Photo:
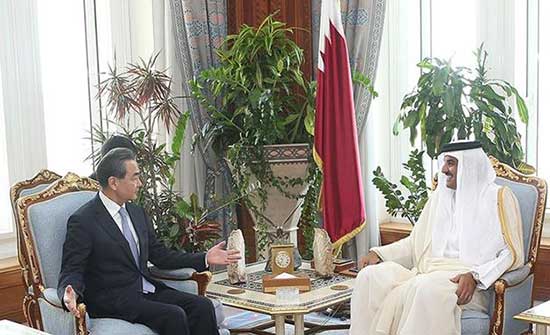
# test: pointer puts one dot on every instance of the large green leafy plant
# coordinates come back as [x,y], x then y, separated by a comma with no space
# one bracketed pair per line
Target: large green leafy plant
[255,97]
[144,92]
[407,206]
[458,102]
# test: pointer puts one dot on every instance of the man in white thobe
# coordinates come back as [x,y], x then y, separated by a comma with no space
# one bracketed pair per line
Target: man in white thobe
[467,236]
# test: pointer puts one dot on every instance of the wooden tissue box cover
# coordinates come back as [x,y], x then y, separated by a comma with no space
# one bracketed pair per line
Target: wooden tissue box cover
[271,284]
[340,265]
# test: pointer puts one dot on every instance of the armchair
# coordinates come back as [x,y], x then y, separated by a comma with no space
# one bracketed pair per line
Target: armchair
[512,293]
[21,189]
[42,220]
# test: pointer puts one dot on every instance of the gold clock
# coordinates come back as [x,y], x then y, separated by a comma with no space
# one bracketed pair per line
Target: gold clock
[282,258]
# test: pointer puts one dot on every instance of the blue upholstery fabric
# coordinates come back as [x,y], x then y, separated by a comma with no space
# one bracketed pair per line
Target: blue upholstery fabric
[117,327]
[48,223]
[50,294]
[55,319]
[177,274]
[527,199]
[516,300]
[475,323]
[517,276]
[33,190]
[182,285]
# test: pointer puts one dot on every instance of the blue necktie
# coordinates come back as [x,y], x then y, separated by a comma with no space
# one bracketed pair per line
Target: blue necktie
[147,286]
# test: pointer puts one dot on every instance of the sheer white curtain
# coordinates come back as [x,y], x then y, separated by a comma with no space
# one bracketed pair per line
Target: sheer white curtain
[396,75]
[23,139]
[130,30]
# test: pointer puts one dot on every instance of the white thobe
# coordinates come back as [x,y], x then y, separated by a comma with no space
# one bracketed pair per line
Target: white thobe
[410,293]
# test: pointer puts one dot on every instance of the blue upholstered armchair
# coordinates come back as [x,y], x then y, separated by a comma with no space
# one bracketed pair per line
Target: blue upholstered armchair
[42,213]
[512,293]
[21,189]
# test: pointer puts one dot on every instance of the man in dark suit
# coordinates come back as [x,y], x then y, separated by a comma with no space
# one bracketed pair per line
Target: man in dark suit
[108,244]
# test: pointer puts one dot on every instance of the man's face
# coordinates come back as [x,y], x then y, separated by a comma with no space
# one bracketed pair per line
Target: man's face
[450,169]
[127,188]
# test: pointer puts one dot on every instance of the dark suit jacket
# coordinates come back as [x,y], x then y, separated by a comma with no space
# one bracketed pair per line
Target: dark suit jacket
[99,265]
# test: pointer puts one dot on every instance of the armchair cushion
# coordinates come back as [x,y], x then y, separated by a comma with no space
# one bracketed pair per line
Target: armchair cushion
[117,327]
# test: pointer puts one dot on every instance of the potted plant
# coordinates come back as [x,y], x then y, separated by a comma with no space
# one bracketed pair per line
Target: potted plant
[458,102]
[144,92]
[257,101]
[453,102]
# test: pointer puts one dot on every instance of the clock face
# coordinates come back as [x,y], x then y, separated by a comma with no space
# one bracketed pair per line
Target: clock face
[282,259]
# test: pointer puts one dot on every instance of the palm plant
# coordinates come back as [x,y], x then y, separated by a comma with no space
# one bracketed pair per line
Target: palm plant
[145,93]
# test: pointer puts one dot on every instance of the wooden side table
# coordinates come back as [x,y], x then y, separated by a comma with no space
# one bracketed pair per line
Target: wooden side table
[539,316]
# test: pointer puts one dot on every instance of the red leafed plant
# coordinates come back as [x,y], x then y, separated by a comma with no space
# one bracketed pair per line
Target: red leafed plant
[194,220]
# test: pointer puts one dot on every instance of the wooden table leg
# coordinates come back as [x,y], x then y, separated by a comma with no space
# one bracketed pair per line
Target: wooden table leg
[299,324]
[541,330]
[279,324]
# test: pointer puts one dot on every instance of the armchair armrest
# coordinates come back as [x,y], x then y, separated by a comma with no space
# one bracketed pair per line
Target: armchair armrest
[50,296]
[202,278]
[177,274]
[515,277]
[512,294]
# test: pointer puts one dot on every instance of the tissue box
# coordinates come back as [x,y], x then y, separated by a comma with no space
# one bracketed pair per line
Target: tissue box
[270,283]
[340,265]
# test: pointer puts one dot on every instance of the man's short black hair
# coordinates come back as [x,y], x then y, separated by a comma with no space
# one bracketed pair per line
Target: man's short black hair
[117,141]
[113,165]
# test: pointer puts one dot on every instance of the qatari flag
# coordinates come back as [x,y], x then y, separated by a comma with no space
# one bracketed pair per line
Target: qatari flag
[336,149]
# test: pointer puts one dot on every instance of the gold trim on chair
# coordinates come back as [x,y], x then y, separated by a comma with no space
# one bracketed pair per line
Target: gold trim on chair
[202,279]
[30,305]
[69,183]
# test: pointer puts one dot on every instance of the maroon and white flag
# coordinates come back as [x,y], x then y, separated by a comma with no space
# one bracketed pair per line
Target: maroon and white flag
[336,148]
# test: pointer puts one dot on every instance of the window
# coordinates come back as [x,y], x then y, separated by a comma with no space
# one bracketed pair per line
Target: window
[542,78]
[454,30]
[65,85]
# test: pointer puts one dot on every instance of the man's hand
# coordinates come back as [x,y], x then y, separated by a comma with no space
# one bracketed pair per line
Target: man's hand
[466,287]
[217,255]
[370,259]
[69,298]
